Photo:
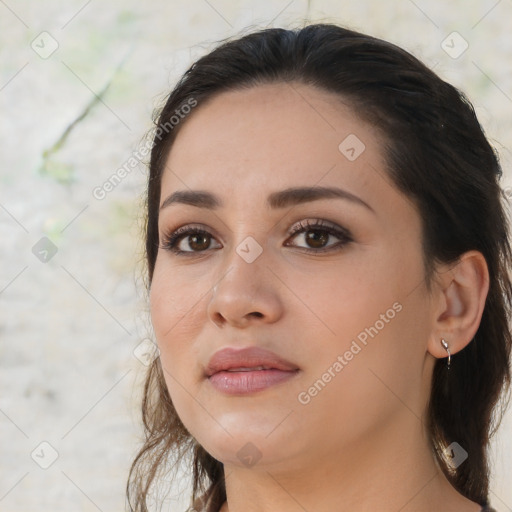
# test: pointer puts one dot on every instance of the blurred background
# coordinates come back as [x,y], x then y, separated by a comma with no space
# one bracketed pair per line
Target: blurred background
[79,81]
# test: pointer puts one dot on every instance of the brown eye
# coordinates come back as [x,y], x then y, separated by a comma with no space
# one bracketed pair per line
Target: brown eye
[188,240]
[198,242]
[317,234]
[316,238]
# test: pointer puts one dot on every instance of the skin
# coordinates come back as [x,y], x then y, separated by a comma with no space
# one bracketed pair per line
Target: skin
[360,444]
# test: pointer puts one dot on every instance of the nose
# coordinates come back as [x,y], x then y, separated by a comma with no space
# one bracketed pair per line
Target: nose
[245,294]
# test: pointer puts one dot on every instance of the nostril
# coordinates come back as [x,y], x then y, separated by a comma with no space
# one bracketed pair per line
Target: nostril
[256,313]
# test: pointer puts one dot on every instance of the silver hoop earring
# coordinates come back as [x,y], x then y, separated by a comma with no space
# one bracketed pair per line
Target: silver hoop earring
[445,345]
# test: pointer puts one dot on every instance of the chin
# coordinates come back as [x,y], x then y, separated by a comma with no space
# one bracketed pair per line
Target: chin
[249,444]
[246,451]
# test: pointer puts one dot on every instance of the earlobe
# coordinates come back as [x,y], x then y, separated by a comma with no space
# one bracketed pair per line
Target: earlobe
[462,293]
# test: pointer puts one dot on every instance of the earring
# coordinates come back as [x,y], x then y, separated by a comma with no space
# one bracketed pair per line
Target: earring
[445,345]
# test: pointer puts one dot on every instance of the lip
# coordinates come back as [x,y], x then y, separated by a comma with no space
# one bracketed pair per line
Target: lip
[247,370]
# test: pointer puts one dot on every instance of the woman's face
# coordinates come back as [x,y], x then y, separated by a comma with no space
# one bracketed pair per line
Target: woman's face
[343,303]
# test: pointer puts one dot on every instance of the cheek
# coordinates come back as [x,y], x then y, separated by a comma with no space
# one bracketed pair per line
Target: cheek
[365,379]
[376,318]
[341,302]
[175,297]
[175,317]
[177,314]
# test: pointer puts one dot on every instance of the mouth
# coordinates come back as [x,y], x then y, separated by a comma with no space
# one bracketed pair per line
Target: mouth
[255,368]
[248,370]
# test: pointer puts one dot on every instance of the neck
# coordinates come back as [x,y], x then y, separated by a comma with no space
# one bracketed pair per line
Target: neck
[391,469]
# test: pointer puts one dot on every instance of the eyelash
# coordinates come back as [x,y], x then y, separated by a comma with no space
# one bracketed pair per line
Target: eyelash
[171,240]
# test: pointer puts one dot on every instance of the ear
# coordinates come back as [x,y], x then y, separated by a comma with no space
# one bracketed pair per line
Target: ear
[460,299]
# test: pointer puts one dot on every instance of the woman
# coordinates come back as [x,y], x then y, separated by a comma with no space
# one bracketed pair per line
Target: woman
[328,258]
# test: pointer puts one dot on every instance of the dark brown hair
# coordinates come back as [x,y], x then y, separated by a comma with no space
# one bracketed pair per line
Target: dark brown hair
[436,154]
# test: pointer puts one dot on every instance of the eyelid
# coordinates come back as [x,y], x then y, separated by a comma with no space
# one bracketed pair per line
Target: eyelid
[303,225]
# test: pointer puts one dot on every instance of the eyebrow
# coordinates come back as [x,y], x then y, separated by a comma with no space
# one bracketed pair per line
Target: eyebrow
[276,200]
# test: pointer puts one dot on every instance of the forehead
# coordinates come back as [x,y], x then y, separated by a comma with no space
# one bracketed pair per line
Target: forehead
[270,137]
